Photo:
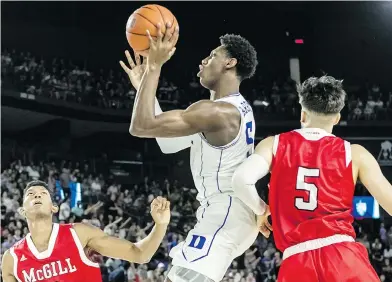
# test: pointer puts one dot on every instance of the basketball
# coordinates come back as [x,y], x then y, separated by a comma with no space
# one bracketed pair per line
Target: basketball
[147,18]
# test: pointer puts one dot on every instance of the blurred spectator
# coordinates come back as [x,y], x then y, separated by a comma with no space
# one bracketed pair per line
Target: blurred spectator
[63,80]
[120,209]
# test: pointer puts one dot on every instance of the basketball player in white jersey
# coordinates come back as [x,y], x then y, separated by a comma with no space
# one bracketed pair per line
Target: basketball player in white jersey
[220,133]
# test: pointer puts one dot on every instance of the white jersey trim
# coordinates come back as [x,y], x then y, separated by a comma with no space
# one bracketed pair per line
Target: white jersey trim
[347,148]
[316,244]
[15,268]
[309,133]
[82,254]
[276,143]
[52,240]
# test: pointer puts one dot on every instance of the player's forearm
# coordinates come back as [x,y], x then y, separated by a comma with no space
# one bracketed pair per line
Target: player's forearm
[244,182]
[143,115]
[149,245]
[171,145]
[247,193]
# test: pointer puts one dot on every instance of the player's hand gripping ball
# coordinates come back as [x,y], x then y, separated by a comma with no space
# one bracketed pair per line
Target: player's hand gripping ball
[148,17]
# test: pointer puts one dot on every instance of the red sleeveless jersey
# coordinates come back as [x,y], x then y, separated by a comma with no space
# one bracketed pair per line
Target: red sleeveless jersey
[64,260]
[311,187]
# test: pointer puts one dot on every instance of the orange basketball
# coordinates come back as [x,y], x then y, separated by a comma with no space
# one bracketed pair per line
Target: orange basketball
[147,18]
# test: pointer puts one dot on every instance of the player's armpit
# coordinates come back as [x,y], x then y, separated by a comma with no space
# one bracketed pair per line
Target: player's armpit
[110,246]
[7,266]
[203,116]
[370,174]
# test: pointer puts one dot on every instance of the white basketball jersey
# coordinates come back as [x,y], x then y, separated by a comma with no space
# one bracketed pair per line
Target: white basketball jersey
[213,167]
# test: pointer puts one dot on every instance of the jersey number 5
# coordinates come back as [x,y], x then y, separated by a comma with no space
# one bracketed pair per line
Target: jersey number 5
[249,139]
[300,203]
[248,131]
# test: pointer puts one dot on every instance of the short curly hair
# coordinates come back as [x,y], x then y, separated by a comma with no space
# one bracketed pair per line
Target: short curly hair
[238,47]
[323,95]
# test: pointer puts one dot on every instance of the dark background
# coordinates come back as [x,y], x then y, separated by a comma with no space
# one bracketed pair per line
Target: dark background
[351,40]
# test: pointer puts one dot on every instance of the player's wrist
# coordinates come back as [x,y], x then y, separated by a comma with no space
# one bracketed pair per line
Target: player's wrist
[161,225]
[155,67]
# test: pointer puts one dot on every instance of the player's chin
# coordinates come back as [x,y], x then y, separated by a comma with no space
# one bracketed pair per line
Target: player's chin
[205,83]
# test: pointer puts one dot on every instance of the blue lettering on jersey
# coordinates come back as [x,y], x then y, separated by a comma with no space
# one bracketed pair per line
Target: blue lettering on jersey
[245,108]
[200,242]
[248,131]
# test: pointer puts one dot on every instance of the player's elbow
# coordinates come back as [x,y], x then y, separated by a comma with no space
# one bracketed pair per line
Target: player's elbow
[137,131]
[142,260]
[238,180]
[134,130]
[137,255]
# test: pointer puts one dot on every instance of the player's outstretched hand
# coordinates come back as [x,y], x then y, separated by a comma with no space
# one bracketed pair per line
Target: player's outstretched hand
[134,71]
[160,211]
[265,227]
[162,48]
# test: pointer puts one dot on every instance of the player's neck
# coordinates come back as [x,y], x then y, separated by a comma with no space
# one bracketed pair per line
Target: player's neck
[326,128]
[225,87]
[40,231]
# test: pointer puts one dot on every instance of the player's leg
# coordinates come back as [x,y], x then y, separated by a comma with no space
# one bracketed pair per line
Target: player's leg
[216,240]
[347,261]
[181,274]
[299,267]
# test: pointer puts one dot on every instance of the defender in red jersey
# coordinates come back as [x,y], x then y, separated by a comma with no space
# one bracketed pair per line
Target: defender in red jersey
[313,176]
[56,252]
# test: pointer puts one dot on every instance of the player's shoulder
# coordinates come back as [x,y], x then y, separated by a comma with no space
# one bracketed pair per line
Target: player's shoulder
[7,260]
[81,227]
[210,108]
[267,142]
[358,152]
[85,232]
[357,148]
[19,245]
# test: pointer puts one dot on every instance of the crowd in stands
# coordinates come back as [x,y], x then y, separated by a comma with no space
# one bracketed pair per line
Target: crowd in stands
[120,210]
[62,80]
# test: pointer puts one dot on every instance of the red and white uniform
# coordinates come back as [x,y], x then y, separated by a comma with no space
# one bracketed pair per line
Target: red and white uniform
[64,260]
[310,197]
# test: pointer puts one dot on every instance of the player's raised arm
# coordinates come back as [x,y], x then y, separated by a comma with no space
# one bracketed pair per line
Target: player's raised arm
[7,267]
[370,174]
[204,116]
[135,71]
[140,252]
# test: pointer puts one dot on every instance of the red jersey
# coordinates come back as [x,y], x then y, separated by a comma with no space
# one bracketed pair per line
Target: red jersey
[64,260]
[311,187]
